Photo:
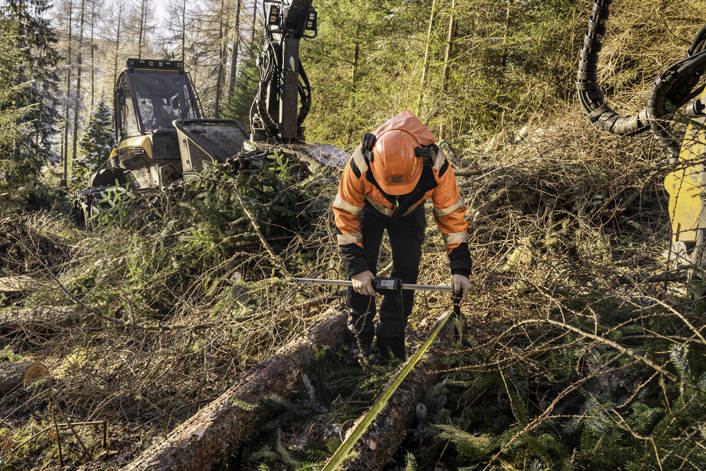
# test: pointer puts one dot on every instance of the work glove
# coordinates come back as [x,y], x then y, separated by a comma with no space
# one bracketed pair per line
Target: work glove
[363,283]
[462,285]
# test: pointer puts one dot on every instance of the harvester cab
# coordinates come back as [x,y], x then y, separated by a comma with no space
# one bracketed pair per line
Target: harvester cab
[155,107]
[163,138]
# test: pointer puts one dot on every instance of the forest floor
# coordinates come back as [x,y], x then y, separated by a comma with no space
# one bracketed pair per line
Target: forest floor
[582,351]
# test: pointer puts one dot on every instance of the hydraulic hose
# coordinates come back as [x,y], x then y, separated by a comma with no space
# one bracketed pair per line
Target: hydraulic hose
[270,64]
[589,91]
[671,90]
[674,86]
[699,43]
[304,95]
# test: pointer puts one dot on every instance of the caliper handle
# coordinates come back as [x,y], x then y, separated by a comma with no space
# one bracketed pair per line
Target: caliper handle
[387,285]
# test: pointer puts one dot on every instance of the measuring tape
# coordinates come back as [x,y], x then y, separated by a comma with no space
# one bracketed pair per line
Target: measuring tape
[340,455]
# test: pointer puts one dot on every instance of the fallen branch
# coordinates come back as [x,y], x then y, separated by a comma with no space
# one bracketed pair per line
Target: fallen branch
[639,278]
[51,317]
[604,341]
[17,285]
[545,415]
[256,226]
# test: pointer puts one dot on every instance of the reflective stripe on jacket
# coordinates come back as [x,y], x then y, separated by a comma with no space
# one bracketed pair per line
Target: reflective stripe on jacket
[358,191]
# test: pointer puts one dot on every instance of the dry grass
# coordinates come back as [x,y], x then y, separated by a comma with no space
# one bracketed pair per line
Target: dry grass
[564,225]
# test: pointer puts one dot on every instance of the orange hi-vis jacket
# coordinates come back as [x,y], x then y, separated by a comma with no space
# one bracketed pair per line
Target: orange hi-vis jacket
[358,191]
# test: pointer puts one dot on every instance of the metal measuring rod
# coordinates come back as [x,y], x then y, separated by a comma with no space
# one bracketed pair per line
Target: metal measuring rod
[380,285]
[390,286]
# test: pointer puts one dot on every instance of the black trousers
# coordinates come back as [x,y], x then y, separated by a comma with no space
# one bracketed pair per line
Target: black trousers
[406,237]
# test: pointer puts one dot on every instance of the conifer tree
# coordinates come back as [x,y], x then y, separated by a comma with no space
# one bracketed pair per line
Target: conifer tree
[96,143]
[35,84]
[247,79]
[10,114]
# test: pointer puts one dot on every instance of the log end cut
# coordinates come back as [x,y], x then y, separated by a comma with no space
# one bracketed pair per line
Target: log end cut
[16,375]
[34,372]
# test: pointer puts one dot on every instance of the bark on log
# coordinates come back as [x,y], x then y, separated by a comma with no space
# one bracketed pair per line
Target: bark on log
[385,435]
[208,438]
[14,285]
[16,375]
[35,318]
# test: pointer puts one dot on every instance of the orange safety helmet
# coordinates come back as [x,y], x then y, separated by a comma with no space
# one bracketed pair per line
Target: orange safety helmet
[395,165]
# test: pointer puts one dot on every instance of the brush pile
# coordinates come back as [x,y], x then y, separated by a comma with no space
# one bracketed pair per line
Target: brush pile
[581,346]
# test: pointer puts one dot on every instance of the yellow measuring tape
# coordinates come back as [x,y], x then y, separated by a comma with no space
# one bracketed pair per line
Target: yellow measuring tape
[340,455]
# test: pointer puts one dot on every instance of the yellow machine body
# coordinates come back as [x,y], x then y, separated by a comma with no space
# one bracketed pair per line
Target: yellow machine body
[686,187]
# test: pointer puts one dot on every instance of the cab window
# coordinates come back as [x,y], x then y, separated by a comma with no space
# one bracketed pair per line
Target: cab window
[128,118]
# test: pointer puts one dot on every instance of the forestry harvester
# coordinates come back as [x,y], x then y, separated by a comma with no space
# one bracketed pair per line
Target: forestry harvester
[674,95]
[163,138]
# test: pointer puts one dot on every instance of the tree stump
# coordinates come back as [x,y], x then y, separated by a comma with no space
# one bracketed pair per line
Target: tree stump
[14,375]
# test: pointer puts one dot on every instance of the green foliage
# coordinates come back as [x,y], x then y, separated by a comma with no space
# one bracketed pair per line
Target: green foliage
[350,67]
[10,111]
[96,144]
[246,85]
[39,197]
[506,63]
[190,244]
[30,89]
[621,415]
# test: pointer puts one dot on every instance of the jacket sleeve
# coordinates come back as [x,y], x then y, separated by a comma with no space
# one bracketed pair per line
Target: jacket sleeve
[347,208]
[449,214]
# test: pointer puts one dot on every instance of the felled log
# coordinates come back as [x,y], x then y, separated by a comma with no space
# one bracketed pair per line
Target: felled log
[15,285]
[16,375]
[36,318]
[384,436]
[208,438]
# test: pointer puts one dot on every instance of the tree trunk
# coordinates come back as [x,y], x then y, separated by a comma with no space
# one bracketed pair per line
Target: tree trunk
[234,56]
[77,98]
[14,285]
[220,69]
[93,60]
[15,375]
[385,435]
[252,30]
[143,26]
[121,8]
[432,17]
[354,73]
[208,438]
[447,58]
[31,320]
[503,55]
[449,46]
[183,32]
[67,106]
